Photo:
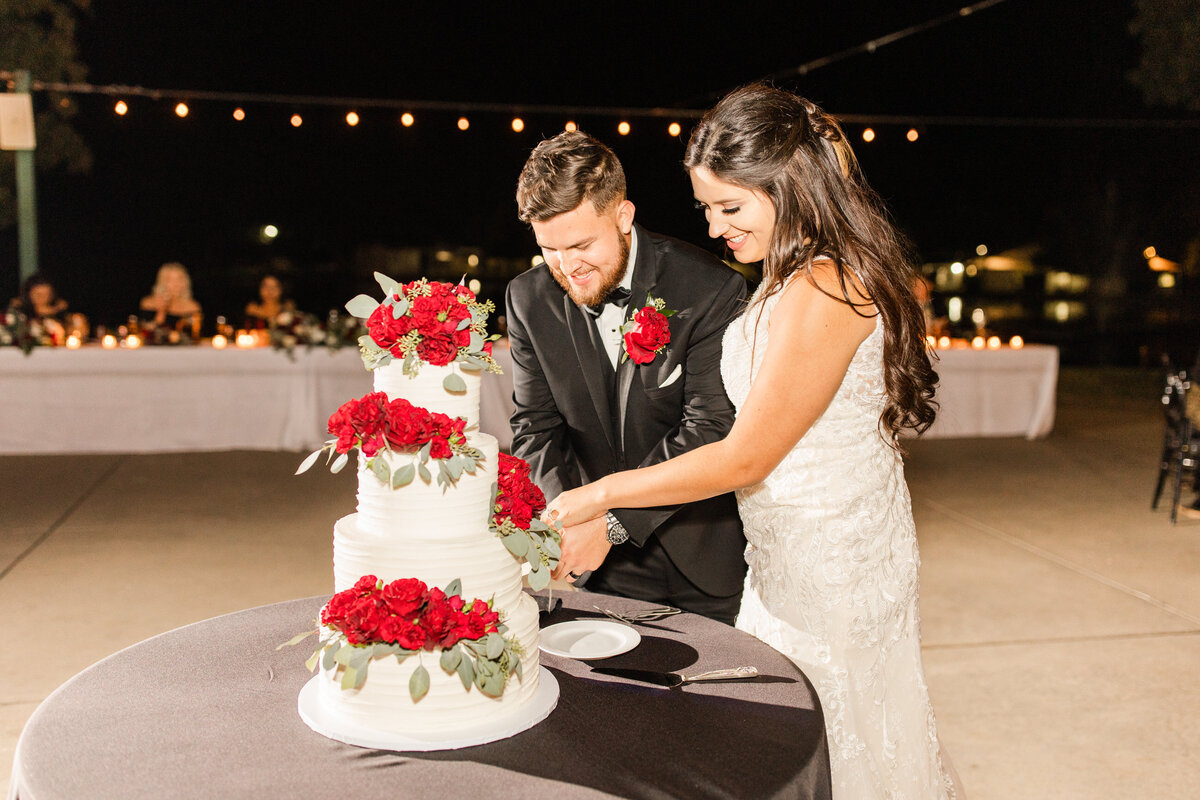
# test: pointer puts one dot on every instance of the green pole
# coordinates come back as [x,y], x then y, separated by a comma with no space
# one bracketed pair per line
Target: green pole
[26,198]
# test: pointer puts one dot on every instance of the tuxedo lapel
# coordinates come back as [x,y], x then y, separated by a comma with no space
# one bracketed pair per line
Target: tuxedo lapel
[645,281]
[597,371]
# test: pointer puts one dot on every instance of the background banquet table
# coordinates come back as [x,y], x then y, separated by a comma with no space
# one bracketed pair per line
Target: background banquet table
[180,399]
[1005,392]
[209,710]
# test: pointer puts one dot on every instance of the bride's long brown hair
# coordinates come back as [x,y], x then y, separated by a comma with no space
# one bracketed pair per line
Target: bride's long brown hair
[768,140]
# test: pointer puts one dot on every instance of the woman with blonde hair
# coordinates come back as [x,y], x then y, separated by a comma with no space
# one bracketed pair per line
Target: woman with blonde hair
[170,303]
[826,367]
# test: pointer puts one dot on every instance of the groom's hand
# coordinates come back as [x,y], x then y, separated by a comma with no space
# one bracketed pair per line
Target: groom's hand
[584,548]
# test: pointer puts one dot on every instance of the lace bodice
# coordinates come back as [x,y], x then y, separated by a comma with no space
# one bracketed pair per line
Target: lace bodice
[832,551]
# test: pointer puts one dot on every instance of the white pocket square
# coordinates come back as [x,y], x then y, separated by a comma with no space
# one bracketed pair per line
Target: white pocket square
[674,376]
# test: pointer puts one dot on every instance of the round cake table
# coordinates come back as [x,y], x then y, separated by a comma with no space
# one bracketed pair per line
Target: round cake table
[209,711]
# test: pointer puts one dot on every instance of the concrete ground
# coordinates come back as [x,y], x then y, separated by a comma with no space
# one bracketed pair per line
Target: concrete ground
[1061,616]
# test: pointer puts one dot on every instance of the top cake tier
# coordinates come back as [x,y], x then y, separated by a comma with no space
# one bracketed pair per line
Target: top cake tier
[427,389]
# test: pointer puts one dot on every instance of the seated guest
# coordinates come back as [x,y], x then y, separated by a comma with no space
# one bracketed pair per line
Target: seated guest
[39,301]
[271,303]
[170,304]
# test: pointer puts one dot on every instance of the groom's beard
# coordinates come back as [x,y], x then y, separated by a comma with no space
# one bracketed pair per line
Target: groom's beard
[607,282]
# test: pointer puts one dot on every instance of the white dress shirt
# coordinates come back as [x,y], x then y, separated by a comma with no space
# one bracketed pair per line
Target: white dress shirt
[612,318]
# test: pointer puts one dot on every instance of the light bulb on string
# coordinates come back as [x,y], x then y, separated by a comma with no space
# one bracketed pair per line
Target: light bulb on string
[463,123]
[352,118]
[912,135]
[674,129]
[623,128]
[518,124]
[570,126]
[121,108]
[407,119]
[239,114]
[297,120]
[181,110]
[868,134]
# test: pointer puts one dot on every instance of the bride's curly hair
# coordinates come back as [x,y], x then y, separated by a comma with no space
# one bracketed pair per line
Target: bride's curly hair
[784,146]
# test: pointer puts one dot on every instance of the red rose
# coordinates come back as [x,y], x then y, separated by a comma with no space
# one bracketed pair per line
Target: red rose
[463,291]
[405,597]
[369,418]
[385,329]
[438,349]
[340,426]
[428,314]
[365,585]
[408,426]
[643,342]
[408,635]
[516,509]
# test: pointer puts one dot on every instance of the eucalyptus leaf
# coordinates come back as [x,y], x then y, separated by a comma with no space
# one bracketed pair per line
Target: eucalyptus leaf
[388,285]
[362,306]
[473,363]
[423,453]
[349,678]
[494,685]
[476,342]
[308,462]
[360,675]
[517,668]
[424,472]
[328,661]
[418,684]
[397,311]
[466,672]
[450,658]
[454,383]
[297,639]
[538,580]
[517,544]
[339,463]
[453,587]
[551,547]
[311,663]
[401,307]
[454,467]
[343,655]
[464,323]
[381,469]
[403,476]
[495,645]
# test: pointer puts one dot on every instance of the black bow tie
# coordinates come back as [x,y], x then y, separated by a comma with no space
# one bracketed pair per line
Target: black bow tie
[618,297]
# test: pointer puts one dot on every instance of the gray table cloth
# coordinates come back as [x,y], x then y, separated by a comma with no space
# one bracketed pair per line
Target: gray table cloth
[209,711]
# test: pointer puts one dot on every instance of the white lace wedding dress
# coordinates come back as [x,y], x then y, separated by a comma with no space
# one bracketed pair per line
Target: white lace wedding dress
[833,577]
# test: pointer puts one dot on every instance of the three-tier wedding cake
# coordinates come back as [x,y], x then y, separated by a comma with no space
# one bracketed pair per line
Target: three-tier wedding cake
[429,641]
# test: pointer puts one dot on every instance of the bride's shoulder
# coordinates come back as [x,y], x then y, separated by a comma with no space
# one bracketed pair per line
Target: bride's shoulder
[823,296]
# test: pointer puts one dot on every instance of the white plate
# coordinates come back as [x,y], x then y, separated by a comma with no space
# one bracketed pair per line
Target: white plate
[589,638]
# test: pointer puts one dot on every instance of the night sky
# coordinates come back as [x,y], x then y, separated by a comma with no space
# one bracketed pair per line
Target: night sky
[197,190]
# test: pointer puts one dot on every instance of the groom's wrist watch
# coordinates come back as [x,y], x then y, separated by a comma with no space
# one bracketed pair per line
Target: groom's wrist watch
[616,531]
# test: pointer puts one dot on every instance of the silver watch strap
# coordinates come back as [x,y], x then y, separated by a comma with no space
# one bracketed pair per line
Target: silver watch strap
[616,531]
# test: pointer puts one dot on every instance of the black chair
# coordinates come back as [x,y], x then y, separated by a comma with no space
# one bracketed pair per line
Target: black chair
[1181,441]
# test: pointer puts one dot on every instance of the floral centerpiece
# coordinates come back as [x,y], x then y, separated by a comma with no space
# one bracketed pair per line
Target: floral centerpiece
[403,618]
[16,329]
[291,329]
[373,423]
[423,322]
[516,507]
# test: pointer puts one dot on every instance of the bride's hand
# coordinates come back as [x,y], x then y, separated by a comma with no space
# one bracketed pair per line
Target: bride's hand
[575,506]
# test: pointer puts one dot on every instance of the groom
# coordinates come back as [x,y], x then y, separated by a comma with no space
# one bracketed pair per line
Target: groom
[584,409]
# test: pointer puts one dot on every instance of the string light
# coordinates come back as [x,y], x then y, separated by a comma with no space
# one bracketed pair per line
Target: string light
[463,123]
[407,120]
[868,134]
[181,110]
[239,114]
[674,129]
[623,128]
[518,124]
[121,108]
[912,134]
[297,120]
[570,126]
[352,119]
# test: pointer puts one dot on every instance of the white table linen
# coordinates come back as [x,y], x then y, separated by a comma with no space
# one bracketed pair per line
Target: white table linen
[1003,392]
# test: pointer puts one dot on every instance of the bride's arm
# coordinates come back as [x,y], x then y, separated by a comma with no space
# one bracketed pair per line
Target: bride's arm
[812,340]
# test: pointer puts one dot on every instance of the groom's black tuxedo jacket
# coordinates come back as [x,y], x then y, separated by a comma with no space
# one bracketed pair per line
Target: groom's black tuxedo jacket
[577,420]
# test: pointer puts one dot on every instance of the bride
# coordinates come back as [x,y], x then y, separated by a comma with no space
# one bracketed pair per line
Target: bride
[826,367]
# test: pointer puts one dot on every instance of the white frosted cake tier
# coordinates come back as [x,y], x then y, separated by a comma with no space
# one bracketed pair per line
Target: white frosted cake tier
[426,390]
[383,703]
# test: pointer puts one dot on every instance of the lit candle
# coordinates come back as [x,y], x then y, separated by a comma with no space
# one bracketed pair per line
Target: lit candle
[978,343]
[993,343]
[931,341]
[73,342]
[1016,343]
[133,342]
[944,342]
[108,342]
[245,339]
[220,342]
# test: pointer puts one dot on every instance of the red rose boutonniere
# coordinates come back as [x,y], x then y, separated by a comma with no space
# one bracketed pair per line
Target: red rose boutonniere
[647,334]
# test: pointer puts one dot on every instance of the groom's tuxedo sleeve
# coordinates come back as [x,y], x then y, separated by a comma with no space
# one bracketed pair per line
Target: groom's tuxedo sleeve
[539,431]
[707,413]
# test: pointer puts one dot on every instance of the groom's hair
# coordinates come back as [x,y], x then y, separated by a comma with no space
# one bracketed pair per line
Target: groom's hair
[564,171]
